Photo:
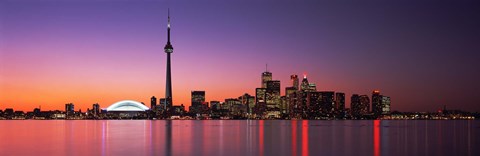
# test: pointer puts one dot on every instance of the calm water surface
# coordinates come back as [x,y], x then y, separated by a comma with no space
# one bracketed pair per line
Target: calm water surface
[239,137]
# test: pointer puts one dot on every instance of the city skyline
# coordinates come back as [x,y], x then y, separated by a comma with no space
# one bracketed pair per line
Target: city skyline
[101,56]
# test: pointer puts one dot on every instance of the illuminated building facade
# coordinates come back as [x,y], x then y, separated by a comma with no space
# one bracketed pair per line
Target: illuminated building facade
[273,94]
[385,105]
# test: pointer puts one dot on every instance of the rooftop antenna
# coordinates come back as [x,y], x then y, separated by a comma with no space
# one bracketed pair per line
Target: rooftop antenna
[266,67]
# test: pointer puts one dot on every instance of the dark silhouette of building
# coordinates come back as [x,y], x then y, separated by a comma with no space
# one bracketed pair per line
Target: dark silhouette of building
[376,103]
[340,102]
[327,102]
[198,99]
[69,108]
[365,104]
[96,108]
[355,106]
[168,88]
[314,104]
[215,105]
[153,103]
[161,104]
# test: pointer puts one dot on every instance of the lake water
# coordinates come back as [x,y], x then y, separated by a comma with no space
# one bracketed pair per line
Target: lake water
[238,137]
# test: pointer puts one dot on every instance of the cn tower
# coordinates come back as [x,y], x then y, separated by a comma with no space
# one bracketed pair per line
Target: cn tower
[168,88]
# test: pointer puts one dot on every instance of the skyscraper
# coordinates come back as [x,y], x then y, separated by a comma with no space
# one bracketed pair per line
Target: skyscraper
[69,108]
[295,82]
[260,100]
[355,105]
[198,98]
[168,87]
[340,101]
[96,109]
[273,94]
[153,103]
[248,101]
[385,105]
[327,101]
[305,85]
[266,76]
[376,103]
[365,104]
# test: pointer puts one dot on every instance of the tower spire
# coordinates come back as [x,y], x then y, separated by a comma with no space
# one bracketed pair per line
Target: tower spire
[169,50]
[168,47]
[168,25]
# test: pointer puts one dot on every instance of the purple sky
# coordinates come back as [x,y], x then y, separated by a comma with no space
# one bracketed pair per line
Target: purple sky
[423,54]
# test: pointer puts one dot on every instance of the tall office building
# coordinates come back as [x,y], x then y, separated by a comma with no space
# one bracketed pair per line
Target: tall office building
[69,108]
[153,103]
[248,101]
[168,87]
[313,103]
[266,76]
[365,104]
[385,105]
[198,98]
[305,86]
[161,104]
[340,101]
[96,109]
[376,103]
[327,101]
[273,93]
[355,106]
[295,81]
[260,100]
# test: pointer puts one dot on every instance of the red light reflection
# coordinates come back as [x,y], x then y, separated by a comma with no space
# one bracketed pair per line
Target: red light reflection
[260,133]
[376,137]
[304,137]
[294,137]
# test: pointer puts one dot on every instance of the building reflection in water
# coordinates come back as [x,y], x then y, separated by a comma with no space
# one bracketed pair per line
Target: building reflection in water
[168,137]
[238,137]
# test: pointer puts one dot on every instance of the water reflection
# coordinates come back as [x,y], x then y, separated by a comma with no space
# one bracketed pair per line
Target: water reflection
[376,137]
[239,137]
[305,137]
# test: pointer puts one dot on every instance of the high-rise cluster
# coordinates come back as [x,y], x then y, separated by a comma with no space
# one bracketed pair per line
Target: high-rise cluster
[301,100]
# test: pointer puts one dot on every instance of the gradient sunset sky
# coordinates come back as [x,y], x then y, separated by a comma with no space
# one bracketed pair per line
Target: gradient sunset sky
[422,53]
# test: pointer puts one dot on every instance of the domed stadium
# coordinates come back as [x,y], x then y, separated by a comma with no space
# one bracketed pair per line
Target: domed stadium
[127,109]
[127,106]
